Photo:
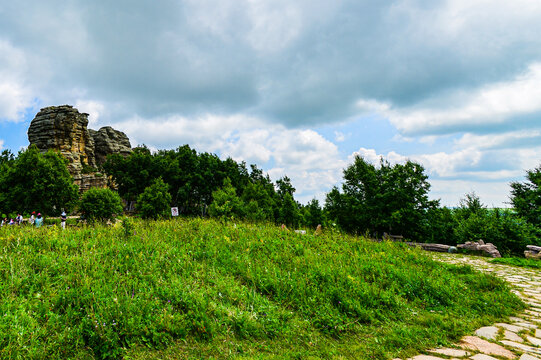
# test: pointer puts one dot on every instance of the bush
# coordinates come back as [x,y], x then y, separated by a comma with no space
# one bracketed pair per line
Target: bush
[154,202]
[100,204]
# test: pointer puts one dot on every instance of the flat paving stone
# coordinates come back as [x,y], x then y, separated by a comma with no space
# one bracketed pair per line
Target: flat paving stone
[450,352]
[526,325]
[487,332]
[488,348]
[533,340]
[523,347]
[425,357]
[513,328]
[528,357]
[509,335]
[482,357]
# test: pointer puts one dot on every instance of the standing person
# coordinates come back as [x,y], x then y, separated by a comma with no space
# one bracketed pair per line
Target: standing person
[39,221]
[32,218]
[63,218]
[19,219]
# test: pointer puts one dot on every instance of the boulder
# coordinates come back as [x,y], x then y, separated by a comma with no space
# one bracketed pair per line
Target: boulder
[532,252]
[480,247]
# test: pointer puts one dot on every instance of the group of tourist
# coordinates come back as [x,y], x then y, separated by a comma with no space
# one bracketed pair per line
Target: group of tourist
[34,220]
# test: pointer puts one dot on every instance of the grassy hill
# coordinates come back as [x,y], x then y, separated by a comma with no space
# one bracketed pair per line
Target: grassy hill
[193,288]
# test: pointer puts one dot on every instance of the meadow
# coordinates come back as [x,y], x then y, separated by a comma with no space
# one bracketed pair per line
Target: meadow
[192,288]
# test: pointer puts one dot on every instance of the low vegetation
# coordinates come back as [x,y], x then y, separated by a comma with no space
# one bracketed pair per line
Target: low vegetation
[202,288]
[521,262]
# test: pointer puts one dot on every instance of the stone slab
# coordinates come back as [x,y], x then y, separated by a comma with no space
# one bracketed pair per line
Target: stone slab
[509,335]
[488,348]
[482,357]
[513,328]
[522,347]
[528,357]
[533,340]
[450,352]
[487,332]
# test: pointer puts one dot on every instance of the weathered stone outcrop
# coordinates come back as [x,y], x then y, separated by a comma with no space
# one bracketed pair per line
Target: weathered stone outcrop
[487,249]
[533,252]
[109,141]
[64,128]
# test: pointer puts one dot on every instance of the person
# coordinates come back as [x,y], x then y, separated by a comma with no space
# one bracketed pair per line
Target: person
[32,218]
[19,219]
[63,218]
[39,221]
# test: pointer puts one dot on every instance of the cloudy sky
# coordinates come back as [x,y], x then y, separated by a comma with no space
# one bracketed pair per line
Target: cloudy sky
[297,87]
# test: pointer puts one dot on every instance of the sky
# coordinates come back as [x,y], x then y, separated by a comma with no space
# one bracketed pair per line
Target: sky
[297,87]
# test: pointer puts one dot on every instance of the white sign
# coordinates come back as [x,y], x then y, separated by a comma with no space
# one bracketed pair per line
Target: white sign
[174,211]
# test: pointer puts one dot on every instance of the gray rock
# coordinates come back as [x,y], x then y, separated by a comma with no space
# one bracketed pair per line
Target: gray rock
[109,141]
[481,248]
[64,129]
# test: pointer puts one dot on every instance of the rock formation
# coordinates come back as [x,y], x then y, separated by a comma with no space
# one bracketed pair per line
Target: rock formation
[533,252]
[109,141]
[487,249]
[64,128]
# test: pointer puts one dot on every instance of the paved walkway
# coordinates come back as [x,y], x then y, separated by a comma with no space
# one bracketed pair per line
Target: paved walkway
[520,338]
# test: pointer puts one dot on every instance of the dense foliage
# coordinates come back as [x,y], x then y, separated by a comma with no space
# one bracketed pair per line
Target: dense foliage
[202,184]
[103,292]
[526,197]
[100,205]
[35,181]
[154,202]
[388,198]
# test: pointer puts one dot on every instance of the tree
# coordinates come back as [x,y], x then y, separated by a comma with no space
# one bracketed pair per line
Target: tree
[36,182]
[132,174]
[388,198]
[155,201]
[226,203]
[526,197]
[100,204]
[289,211]
[312,214]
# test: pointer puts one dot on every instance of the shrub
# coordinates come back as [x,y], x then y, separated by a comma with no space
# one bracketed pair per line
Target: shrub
[155,201]
[100,204]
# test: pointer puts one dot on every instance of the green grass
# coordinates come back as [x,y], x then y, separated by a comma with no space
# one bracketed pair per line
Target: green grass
[522,262]
[193,288]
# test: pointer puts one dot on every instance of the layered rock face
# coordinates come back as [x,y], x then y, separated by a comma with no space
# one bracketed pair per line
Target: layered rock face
[109,141]
[64,128]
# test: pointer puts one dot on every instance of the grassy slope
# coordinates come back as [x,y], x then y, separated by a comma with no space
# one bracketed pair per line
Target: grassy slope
[193,288]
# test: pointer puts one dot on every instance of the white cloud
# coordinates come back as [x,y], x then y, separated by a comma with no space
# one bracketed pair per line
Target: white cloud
[1,144]
[15,96]
[339,136]
[95,109]
[492,104]
[492,194]
[505,140]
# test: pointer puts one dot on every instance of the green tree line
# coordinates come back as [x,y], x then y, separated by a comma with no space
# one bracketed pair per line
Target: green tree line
[373,199]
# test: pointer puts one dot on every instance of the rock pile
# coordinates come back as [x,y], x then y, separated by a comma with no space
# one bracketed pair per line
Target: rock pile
[480,247]
[532,252]
[64,128]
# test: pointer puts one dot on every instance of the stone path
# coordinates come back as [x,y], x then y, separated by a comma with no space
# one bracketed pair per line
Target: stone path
[520,338]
